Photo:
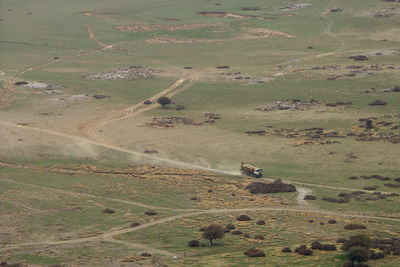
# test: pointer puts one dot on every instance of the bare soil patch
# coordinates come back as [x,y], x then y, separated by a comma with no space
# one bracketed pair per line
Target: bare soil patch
[168,27]
[256,33]
[216,14]
[165,40]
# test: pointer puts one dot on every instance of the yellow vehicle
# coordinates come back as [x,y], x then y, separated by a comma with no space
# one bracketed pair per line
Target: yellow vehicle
[251,170]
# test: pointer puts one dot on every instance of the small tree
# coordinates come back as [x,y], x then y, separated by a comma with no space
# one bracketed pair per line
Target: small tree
[163,101]
[359,254]
[213,232]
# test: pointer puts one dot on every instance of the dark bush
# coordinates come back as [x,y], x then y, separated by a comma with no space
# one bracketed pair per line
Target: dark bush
[260,222]
[243,218]
[230,226]
[332,221]
[193,243]
[370,188]
[321,223]
[134,224]
[20,83]
[286,250]
[376,255]
[259,237]
[311,221]
[236,232]
[275,187]
[353,178]
[146,254]
[334,200]
[310,197]
[254,253]
[246,235]
[357,241]
[303,250]
[147,102]
[341,240]
[315,245]
[107,210]
[377,103]
[150,213]
[354,226]
[202,229]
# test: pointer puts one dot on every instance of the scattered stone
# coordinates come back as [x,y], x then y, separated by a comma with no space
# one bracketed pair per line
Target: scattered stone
[260,222]
[134,72]
[135,224]
[147,102]
[286,250]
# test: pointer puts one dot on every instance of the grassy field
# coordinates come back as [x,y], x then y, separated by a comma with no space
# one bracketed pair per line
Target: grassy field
[82,144]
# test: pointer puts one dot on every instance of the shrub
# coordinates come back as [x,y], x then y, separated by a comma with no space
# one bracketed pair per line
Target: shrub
[377,103]
[286,250]
[134,224]
[315,245]
[332,221]
[376,255]
[370,188]
[260,222]
[354,226]
[310,197]
[236,232]
[193,243]
[254,253]
[303,250]
[243,218]
[275,187]
[334,200]
[150,213]
[341,240]
[259,237]
[230,226]
[107,210]
[246,235]
[146,254]
[357,241]
[147,102]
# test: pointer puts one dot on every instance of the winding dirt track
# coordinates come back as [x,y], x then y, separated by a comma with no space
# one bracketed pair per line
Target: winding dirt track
[90,133]
[109,235]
